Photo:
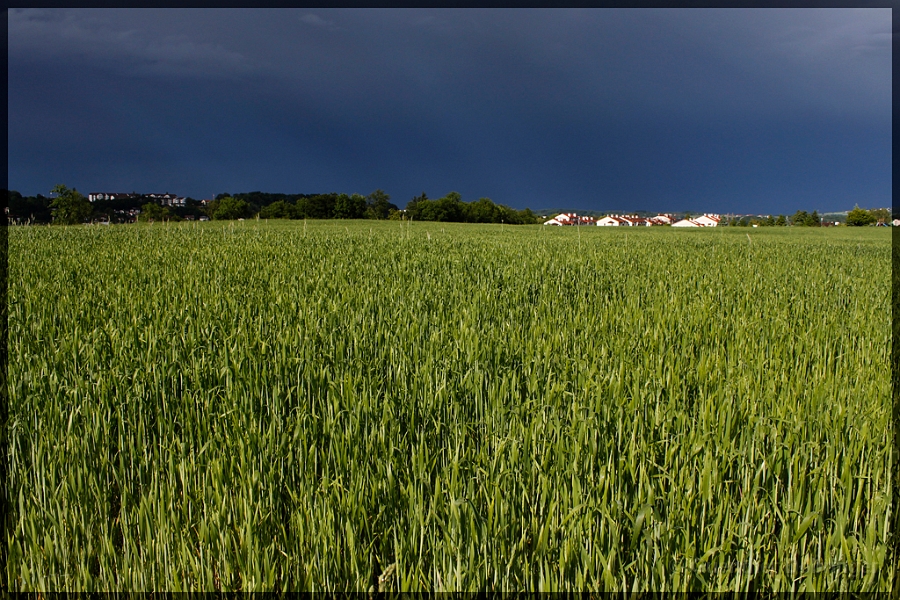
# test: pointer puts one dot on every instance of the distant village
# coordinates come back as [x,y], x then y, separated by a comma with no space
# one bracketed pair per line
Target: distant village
[163,199]
[878,217]
[705,220]
[121,207]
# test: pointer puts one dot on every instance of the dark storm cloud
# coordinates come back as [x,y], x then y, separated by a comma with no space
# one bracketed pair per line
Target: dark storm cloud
[740,110]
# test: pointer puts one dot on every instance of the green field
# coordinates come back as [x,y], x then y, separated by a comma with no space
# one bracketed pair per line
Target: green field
[356,405]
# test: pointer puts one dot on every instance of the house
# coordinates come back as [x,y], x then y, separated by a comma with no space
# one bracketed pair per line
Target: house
[623,221]
[110,196]
[611,221]
[569,219]
[708,220]
[557,220]
[166,199]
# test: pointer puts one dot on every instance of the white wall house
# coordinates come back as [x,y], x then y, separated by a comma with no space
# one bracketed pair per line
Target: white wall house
[708,220]
[569,219]
[108,196]
[561,219]
[623,221]
[167,199]
[610,221]
[164,199]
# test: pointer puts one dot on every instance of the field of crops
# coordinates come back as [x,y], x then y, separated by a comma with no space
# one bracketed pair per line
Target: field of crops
[354,406]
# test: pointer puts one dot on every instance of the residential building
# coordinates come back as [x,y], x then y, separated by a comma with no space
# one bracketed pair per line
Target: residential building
[708,220]
[569,219]
[623,221]
[110,196]
[166,199]
[611,221]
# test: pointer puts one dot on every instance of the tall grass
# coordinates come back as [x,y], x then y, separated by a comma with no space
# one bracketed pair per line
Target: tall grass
[375,406]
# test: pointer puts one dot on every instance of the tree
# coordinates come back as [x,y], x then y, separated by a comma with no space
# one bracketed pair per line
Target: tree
[859,217]
[814,220]
[12,198]
[451,208]
[280,209]
[800,217]
[69,207]
[781,221]
[192,208]
[350,207]
[152,211]
[379,205]
[228,208]
[414,207]
[482,211]
[35,209]
[448,209]
[528,217]
[880,215]
[320,206]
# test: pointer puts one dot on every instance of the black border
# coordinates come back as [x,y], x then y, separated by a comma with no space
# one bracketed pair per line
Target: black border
[893,558]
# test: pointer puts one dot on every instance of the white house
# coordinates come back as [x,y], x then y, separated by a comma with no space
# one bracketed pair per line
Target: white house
[164,199]
[623,221]
[561,219]
[109,196]
[611,221]
[635,221]
[708,220]
[569,219]
[167,199]
[702,221]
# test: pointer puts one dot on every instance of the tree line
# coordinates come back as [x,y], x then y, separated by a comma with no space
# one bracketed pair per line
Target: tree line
[801,218]
[68,206]
[451,208]
[855,218]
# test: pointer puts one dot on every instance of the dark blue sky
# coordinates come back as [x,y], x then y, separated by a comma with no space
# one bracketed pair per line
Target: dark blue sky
[726,110]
